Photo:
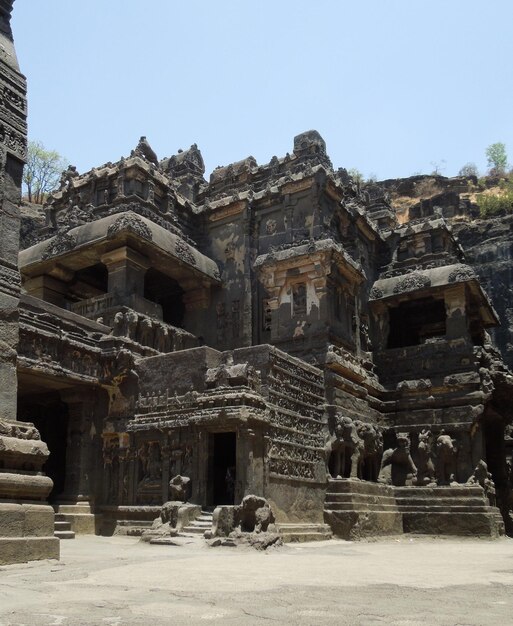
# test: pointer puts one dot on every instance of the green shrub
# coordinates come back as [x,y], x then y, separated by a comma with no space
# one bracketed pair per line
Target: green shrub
[494,204]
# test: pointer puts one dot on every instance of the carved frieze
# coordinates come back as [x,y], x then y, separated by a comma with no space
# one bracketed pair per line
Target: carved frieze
[130,221]
[412,282]
[184,252]
[60,244]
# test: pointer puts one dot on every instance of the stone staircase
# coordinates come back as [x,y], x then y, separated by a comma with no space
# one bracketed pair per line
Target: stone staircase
[132,527]
[79,517]
[298,533]
[62,527]
[455,510]
[356,509]
[200,524]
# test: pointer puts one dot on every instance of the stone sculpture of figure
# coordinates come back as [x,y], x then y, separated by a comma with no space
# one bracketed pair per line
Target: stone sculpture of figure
[254,514]
[118,324]
[161,338]
[131,319]
[445,459]
[400,461]
[146,331]
[425,465]
[154,465]
[67,176]
[344,440]
[372,451]
[482,477]
[179,488]
[365,341]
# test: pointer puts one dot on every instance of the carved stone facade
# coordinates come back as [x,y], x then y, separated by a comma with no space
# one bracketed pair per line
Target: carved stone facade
[273,332]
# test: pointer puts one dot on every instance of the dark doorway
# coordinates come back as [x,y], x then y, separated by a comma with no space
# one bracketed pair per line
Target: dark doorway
[167,292]
[412,323]
[222,469]
[51,420]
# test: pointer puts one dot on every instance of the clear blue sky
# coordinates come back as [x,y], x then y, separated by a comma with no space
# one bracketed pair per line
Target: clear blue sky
[392,85]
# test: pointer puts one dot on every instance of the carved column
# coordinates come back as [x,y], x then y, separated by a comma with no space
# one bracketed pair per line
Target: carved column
[455,307]
[165,451]
[26,521]
[79,446]
[127,269]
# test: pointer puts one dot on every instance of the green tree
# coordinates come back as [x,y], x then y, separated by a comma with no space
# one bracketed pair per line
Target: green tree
[355,174]
[497,158]
[42,171]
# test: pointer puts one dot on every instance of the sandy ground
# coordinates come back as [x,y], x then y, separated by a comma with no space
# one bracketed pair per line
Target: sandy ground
[118,580]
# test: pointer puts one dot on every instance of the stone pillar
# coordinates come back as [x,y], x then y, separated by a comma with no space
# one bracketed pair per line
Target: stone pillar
[249,463]
[26,521]
[165,452]
[455,307]
[79,446]
[127,269]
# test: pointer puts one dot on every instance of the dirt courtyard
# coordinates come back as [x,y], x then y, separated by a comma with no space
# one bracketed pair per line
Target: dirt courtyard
[407,581]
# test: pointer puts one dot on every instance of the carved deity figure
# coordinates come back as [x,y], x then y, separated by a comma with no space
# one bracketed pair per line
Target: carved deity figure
[446,453]
[481,476]
[425,465]
[343,444]
[400,462]
[372,451]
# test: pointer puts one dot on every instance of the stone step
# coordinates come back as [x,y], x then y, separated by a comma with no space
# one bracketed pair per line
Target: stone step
[62,525]
[195,530]
[448,502]
[291,533]
[360,507]
[79,508]
[64,534]
[138,522]
[444,509]
[366,488]
[439,492]
[474,524]
[358,497]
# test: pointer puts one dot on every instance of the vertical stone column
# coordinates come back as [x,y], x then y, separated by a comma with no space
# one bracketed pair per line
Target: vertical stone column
[26,521]
[455,307]
[127,269]
[79,446]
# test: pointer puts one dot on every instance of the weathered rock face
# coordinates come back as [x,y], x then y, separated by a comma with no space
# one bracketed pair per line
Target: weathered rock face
[488,246]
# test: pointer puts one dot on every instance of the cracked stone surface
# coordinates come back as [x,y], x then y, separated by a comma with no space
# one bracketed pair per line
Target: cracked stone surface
[405,582]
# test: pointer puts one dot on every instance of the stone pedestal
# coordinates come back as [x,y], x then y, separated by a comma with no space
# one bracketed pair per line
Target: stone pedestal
[355,509]
[459,510]
[26,521]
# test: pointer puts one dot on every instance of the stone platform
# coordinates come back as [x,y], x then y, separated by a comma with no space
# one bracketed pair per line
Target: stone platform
[455,510]
[356,509]
[26,533]
[80,517]
[299,533]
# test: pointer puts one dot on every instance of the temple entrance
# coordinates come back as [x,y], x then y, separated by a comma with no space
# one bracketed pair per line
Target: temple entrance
[222,474]
[50,417]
